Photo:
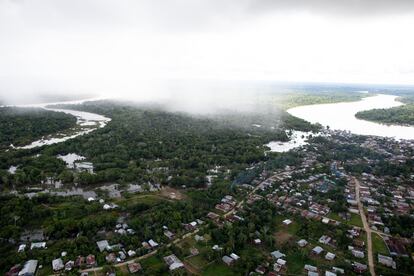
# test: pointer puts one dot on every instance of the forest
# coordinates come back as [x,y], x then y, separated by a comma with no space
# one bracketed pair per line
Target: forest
[147,144]
[400,115]
[20,126]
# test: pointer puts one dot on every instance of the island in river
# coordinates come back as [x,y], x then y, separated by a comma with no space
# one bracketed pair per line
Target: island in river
[341,116]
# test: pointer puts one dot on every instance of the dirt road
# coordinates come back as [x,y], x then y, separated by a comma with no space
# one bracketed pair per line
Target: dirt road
[366,228]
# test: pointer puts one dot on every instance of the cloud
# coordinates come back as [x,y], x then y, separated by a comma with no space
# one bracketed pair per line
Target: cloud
[353,8]
[129,47]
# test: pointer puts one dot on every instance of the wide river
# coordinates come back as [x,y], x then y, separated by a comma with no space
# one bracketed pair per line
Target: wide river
[341,116]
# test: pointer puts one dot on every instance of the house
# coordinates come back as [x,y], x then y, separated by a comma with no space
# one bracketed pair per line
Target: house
[21,248]
[80,260]
[29,268]
[329,273]
[115,247]
[311,273]
[69,265]
[325,220]
[216,247]
[234,256]
[57,264]
[358,253]
[121,231]
[14,270]
[38,245]
[281,262]
[359,268]
[277,254]
[396,247]
[317,250]
[302,243]
[198,238]
[109,206]
[102,245]
[194,251]
[169,234]
[387,261]
[325,239]
[190,226]
[90,260]
[338,270]
[224,207]
[131,253]
[228,260]
[153,243]
[173,262]
[84,167]
[310,268]
[319,209]
[146,245]
[287,222]
[122,255]
[111,258]
[213,216]
[260,270]
[257,241]
[329,256]
[134,267]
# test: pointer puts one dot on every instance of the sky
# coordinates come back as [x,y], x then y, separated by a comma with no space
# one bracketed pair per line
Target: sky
[135,48]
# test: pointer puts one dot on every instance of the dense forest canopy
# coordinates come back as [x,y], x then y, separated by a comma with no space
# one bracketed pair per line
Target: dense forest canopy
[20,126]
[147,144]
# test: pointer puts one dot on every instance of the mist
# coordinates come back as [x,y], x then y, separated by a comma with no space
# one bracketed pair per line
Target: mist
[197,56]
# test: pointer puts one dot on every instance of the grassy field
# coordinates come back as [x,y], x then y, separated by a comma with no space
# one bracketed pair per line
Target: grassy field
[198,262]
[148,199]
[378,245]
[296,260]
[153,263]
[218,268]
[354,221]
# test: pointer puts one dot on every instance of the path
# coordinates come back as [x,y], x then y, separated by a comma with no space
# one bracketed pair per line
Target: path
[366,227]
[237,207]
[152,253]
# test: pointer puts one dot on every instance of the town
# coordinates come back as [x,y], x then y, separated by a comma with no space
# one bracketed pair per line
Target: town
[318,215]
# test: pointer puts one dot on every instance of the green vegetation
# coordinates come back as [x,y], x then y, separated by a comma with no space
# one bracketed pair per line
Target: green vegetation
[144,144]
[21,126]
[154,265]
[401,115]
[290,100]
[72,223]
[148,145]
[218,269]
[378,245]
[356,220]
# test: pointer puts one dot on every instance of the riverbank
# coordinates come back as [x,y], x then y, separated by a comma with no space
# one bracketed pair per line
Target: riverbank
[341,116]
[86,122]
[401,115]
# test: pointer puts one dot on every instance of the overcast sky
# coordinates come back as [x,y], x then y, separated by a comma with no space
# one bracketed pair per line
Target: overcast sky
[130,47]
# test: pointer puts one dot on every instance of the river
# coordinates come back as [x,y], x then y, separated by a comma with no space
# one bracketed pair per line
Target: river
[86,121]
[341,116]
